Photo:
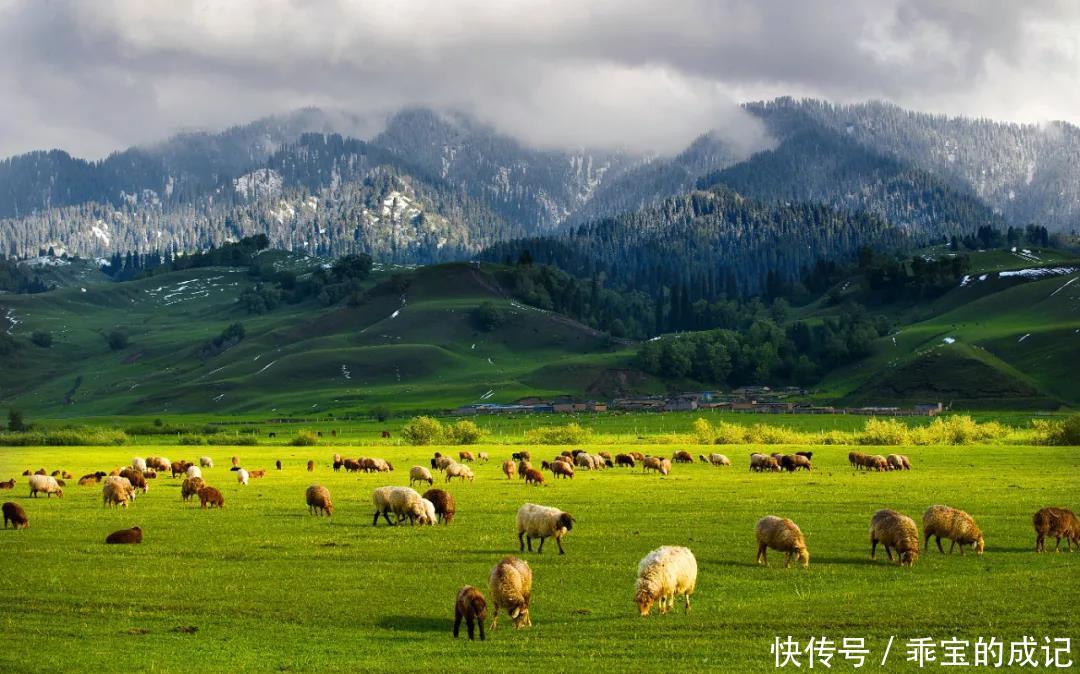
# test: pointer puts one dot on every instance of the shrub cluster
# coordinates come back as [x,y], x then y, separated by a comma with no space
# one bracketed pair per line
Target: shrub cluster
[63,438]
[1063,433]
[305,439]
[570,434]
[426,430]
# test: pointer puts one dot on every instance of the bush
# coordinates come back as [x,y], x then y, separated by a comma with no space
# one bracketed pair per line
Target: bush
[730,434]
[570,434]
[889,432]
[957,430]
[41,338]
[703,432]
[16,423]
[764,434]
[487,316]
[304,439]
[1063,433]
[63,438]
[191,440]
[118,340]
[464,432]
[422,431]
[244,440]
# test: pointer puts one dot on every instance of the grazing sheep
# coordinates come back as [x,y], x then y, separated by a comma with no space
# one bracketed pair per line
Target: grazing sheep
[523,455]
[206,462]
[376,465]
[242,476]
[179,467]
[537,521]
[430,516]
[510,587]
[193,471]
[652,463]
[664,574]
[534,476]
[638,456]
[682,456]
[760,463]
[562,469]
[460,471]
[136,478]
[624,460]
[139,464]
[794,462]
[894,530]
[445,506]
[318,500]
[45,484]
[10,484]
[150,474]
[158,463]
[41,471]
[856,459]
[895,462]
[191,487]
[944,522]
[904,461]
[125,536]
[782,535]
[523,466]
[718,459]
[210,495]
[420,474]
[116,493]
[465,456]
[27,472]
[809,455]
[586,461]
[471,607]
[441,462]
[402,501]
[605,454]
[508,469]
[14,513]
[352,465]
[310,466]
[1059,523]
[256,474]
[482,457]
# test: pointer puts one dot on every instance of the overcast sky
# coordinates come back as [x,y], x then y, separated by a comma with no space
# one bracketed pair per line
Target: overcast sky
[91,76]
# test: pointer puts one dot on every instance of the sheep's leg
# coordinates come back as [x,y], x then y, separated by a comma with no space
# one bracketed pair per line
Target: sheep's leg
[521,541]
[1057,544]
[687,598]
[1038,543]
[762,554]
[457,623]
[495,618]
[873,548]
[375,522]
[541,548]
[937,539]
[528,542]
[787,560]
[888,551]
[559,542]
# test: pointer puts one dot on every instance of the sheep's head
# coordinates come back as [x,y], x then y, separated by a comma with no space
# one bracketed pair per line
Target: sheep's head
[329,508]
[644,597]
[520,616]
[566,521]
[979,545]
[909,557]
[60,493]
[803,556]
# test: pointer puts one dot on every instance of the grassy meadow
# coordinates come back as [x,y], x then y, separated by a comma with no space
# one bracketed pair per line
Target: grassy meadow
[263,585]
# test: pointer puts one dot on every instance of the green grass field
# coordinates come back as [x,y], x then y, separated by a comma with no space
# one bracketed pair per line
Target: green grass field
[269,587]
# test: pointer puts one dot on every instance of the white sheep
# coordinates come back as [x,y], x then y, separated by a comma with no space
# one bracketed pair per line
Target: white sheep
[242,476]
[537,521]
[586,461]
[510,586]
[664,574]
[116,493]
[206,462]
[402,501]
[139,464]
[459,470]
[123,483]
[193,471]
[420,474]
[46,484]
[430,517]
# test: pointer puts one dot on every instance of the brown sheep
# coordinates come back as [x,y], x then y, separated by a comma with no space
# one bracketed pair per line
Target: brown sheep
[1059,523]
[257,473]
[135,477]
[179,467]
[562,469]
[277,464]
[10,484]
[27,472]
[236,461]
[523,467]
[352,465]
[91,479]
[894,530]
[191,487]
[956,525]
[465,456]
[471,607]
[211,496]
[318,500]
[653,463]
[310,466]
[14,513]
[638,456]
[534,476]
[511,588]
[624,460]
[116,494]
[682,456]
[125,536]
[605,454]
[509,469]
[794,462]
[856,459]
[782,535]
[158,463]
[523,455]
[445,506]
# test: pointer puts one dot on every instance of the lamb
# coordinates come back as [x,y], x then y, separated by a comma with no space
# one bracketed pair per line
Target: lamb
[10,484]
[318,500]
[510,586]
[206,462]
[430,516]
[402,501]
[45,484]
[471,607]
[210,495]
[894,530]
[178,467]
[139,464]
[460,471]
[122,537]
[420,474]
[508,469]
[537,521]
[1059,523]
[682,456]
[193,471]
[116,493]
[782,535]
[242,476]
[956,525]
[191,487]
[125,536]
[664,574]
[534,476]
[14,513]
[482,457]
[624,460]
[465,456]
[445,506]
[562,469]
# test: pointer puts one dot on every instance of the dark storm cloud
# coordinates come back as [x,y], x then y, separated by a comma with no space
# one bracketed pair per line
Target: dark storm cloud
[95,75]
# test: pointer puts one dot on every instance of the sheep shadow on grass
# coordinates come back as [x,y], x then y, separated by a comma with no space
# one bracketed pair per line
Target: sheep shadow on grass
[416,623]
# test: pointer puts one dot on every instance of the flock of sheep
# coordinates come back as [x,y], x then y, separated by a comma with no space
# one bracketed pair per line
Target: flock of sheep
[664,575]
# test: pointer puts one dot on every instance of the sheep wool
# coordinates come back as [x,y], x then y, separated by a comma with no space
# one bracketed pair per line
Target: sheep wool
[460,471]
[471,607]
[430,516]
[14,514]
[402,501]
[242,476]
[444,503]
[45,484]
[543,522]
[784,536]
[510,587]
[956,525]
[139,464]
[894,530]
[318,500]
[509,469]
[420,474]
[206,462]
[191,487]
[115,493]
[664,574]
[1059,523]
